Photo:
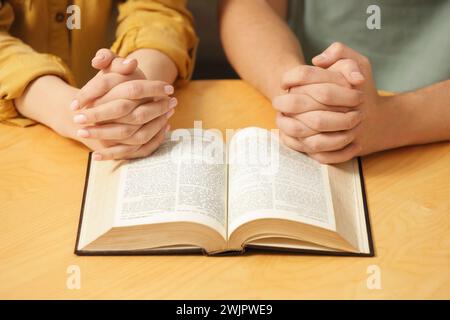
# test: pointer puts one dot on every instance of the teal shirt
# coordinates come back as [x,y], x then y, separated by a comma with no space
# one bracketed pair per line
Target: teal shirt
[410,51]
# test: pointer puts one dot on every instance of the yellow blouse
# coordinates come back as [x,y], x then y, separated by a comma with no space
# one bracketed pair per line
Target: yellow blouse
[35,41]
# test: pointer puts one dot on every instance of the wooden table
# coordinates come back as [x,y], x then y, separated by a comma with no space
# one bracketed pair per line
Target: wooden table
[41,183]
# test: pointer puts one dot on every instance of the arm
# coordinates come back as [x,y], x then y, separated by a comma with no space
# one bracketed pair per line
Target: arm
[410,118]
[267,48]
[158,59]
[20,65]
[160,35]
[420,116]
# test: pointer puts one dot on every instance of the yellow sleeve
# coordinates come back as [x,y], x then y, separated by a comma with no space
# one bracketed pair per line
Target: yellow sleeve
[20,65]
[164,25]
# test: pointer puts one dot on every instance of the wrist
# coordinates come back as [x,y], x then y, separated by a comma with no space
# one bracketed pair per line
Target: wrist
[155,65]
[398,122]
[59,112]
[47,100]
[58,115]
[62,116]
[273,84]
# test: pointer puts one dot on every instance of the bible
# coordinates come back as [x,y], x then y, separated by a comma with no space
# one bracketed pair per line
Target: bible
[197,193]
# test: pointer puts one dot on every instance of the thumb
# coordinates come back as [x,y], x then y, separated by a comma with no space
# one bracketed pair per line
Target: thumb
[107,61]
[102,59]
[350,70]
[122,66]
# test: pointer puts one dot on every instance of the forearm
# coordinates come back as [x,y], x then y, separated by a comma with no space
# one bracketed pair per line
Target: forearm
[422,116]
[155,65]
[47,100]
[258,43]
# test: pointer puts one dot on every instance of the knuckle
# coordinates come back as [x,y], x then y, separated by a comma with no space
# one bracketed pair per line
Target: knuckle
[287,76]
[140,116]
[134,90]
[344,140]
[290,103]
[119,109]
[126,131]
[354,119]
[307,103]
[355,98]
[338,47]
[300,130]
[349,137]
[303,73]
[290,127]
[103,84]
[313,145]
[153,89]
[348,124]
[288,142]
[317,122]
[325,95]
[295,129]
[141,138]
[349,64]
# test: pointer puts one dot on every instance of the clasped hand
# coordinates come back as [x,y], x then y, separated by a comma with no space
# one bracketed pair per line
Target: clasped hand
[331,110]
[121,114]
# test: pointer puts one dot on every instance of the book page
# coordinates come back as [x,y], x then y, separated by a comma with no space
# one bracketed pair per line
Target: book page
[174,184]
[269,180]
[346,192]
[100,196]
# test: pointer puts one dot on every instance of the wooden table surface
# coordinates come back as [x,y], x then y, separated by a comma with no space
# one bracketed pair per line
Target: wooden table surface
[41,185]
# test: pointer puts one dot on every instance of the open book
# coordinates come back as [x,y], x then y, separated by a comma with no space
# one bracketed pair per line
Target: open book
[197,193]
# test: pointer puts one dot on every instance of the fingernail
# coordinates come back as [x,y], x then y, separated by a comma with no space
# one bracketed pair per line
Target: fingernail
[168,89]
[99,57]
[170,113]
[167,128]
[173,103]
[83,133]
[74,105]
[127,61]
[80,119]
[97,156]
[356,75]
